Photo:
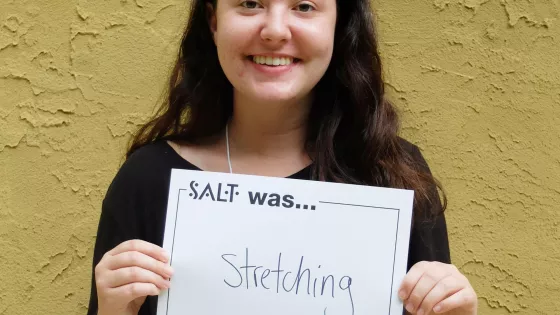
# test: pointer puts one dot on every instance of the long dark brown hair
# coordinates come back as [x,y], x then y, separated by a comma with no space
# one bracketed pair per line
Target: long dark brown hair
[353,128]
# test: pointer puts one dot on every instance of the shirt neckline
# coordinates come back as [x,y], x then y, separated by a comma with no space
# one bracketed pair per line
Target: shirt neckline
[304,173]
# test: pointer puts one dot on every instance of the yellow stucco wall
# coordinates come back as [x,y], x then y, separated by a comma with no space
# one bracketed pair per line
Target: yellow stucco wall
[477,82]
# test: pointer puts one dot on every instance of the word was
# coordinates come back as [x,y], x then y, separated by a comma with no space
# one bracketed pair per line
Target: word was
[275,200]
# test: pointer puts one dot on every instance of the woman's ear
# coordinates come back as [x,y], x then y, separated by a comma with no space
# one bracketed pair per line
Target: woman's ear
[211,16]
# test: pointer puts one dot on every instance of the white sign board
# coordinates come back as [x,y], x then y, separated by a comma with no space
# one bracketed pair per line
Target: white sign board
[245,245]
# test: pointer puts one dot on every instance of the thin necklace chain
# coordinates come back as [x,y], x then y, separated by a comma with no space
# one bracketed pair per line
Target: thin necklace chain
[227,149]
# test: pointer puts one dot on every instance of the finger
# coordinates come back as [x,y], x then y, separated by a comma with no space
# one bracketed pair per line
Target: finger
[130,275]
[144,247]
[465,298]
[135,290]
[411,278]
[426,283]
[443,289]
[138,259]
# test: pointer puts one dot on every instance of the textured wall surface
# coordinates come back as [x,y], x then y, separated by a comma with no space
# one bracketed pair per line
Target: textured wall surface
[477,82]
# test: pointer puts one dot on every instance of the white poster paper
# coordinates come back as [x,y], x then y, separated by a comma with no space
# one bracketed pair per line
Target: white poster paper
[243,244]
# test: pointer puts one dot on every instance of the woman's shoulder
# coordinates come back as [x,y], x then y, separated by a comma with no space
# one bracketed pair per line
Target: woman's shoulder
[415,153]
[157,153]
[407,145]
[156,156]
[148,166]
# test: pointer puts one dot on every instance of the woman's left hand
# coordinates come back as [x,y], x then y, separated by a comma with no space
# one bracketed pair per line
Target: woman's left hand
[437,288]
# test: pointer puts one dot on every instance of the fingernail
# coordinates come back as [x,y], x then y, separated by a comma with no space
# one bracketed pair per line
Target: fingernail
[420,312]
[409,307]
[167,284]
[437,308]
[169,271]
[401,294]
[165,256]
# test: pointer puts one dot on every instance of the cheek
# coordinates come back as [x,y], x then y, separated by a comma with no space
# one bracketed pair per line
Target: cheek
[326,50]
[321,53]
[240,71]
[326,44]
[316,42]
[229,43]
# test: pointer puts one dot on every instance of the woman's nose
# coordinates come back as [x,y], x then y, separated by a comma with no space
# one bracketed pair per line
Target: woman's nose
[276,28]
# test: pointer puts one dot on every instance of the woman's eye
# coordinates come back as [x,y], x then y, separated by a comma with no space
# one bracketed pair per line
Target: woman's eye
[250,4]
[305,7]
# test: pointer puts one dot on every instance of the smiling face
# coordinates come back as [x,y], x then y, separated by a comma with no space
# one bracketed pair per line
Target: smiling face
[274,50]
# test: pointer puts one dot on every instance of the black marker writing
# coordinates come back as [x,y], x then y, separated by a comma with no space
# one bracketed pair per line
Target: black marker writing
[287,280]
[240,276]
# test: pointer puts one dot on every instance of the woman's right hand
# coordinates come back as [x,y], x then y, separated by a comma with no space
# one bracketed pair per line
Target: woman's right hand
[127,274]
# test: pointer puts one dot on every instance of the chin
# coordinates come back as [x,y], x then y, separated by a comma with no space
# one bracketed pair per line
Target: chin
[276,98]
[271,94]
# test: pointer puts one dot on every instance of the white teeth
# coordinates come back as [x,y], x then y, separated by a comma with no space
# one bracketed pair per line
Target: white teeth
[273,61]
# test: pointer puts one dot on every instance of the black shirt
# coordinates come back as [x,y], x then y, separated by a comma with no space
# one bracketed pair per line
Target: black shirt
[135,207]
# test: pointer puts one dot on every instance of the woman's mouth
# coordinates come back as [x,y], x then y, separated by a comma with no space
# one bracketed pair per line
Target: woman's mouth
[273,61]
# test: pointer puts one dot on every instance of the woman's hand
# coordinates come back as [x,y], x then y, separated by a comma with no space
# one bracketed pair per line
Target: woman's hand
[127,274]
[437,288]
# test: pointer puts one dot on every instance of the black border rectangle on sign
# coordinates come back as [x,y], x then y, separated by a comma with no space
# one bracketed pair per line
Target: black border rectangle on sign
[325,202]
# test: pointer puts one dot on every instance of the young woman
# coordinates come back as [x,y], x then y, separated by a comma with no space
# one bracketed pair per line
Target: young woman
[285,88]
